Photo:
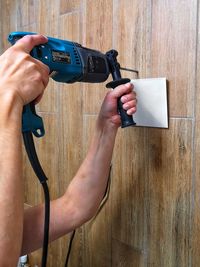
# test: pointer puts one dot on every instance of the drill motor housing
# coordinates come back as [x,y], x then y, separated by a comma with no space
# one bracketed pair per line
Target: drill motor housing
[68,61]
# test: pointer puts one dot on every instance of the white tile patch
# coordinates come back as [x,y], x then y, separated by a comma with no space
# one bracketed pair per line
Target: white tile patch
[152,106]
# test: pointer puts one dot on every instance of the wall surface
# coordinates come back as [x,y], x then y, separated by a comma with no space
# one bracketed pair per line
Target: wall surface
[152,216]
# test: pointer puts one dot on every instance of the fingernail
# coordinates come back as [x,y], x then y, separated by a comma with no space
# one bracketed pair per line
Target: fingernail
[129,84]
[45,37]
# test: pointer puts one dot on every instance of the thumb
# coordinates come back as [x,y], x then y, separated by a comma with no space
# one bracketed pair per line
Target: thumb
[28,42]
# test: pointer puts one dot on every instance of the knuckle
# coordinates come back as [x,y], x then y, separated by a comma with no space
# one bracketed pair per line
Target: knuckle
[37,76]
[45,81]
[26,57]
[46,69]
[29,38]
[109,94]
[11,52]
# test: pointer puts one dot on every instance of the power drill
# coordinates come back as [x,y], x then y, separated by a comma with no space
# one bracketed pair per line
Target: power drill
[69,62]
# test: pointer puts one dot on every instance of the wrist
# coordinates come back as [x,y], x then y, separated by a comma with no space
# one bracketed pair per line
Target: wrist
[104,134]
[108,124]
[10,111]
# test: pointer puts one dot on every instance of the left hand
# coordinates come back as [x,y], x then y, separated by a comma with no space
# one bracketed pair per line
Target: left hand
[20,73]
[109,112]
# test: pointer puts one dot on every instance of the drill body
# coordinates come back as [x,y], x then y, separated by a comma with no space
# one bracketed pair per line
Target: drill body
[69,62]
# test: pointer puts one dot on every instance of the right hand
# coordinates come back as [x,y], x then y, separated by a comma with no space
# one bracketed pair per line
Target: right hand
[109,112]
[22,74]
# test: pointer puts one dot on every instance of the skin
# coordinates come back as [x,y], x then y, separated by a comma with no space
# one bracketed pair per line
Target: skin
[23,80]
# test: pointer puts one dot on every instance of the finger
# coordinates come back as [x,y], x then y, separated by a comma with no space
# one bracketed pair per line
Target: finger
[130,104]
[37,100]
[45,80]
[128,97]
[28,42]
[131,111]
[43,69]
[122,89]
[41,66]
[45,76]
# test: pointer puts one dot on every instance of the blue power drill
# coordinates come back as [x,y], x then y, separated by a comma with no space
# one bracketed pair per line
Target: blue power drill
[69,62]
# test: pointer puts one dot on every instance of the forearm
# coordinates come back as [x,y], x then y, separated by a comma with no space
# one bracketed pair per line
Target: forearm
[11,184]
[88,186]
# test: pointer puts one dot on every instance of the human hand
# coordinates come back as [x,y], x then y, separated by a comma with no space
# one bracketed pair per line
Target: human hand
[20,73]
[109,113]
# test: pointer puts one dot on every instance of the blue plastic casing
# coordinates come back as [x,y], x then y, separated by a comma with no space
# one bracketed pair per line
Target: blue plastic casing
[31,122]
[60,55]
[65,66]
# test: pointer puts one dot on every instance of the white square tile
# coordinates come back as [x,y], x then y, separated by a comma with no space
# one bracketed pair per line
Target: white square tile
[152,107]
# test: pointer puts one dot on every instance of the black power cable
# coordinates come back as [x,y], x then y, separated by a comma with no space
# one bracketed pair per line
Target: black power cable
[33,158]
[69,248]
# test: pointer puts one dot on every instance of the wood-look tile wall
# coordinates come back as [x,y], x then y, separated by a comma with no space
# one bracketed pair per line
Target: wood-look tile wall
[152,216]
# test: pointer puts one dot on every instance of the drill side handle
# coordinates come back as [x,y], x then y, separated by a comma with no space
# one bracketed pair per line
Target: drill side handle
[126,120]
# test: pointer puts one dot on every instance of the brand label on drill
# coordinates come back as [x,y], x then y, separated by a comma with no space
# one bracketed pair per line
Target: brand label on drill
[60,56]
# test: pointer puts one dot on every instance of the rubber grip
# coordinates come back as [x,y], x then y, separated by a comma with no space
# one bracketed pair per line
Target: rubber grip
[126,120]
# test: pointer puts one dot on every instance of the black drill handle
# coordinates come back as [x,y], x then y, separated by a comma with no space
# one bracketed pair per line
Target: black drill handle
[126,120]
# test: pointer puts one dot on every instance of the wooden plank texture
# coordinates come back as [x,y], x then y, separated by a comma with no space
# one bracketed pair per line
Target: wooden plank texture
[174,51]
[8,21]
[131,35]
[128,191]
[124,255]
[195,228]
[27,12]
[67,6]
[152,215]
[170,195]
